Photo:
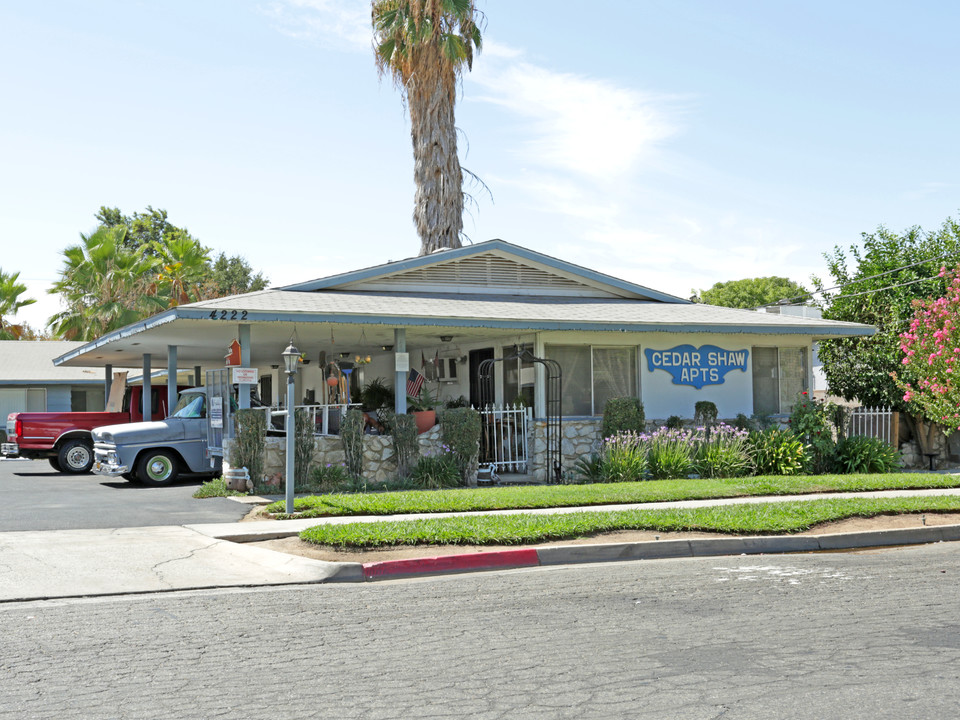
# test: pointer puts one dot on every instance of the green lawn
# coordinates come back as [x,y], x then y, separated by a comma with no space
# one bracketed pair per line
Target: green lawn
[746,519]
[547,496]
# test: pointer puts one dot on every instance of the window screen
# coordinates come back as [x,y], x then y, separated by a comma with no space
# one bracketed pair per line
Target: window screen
[614,375]
[766,384]
[575,385]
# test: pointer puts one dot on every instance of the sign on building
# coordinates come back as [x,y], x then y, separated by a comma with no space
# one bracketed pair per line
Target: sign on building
[706,365]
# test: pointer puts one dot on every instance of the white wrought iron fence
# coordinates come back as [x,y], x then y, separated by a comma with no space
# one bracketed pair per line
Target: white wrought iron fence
[324,418]
[503,438]
[877,422]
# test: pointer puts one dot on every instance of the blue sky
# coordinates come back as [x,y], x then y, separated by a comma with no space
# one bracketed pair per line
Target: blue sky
[673,143]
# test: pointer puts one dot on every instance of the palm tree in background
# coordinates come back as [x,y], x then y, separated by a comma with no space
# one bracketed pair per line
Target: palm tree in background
[10,303]
[104,286]
[183,270]
[424,45]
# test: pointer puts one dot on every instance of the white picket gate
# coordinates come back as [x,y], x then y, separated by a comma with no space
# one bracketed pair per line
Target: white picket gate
[503,438]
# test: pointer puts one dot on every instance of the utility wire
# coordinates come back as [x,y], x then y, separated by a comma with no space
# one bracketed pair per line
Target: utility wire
[790,301]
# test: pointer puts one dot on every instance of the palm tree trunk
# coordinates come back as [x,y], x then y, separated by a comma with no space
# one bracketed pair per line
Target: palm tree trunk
[438,206]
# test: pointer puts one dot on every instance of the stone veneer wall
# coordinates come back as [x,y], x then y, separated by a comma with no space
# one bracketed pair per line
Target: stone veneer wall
[579,438]
[378,461]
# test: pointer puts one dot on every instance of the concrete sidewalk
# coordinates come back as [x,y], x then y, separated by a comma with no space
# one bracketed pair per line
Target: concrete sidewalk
[80,563]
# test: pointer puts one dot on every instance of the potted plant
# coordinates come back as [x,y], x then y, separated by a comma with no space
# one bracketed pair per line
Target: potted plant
[424,410]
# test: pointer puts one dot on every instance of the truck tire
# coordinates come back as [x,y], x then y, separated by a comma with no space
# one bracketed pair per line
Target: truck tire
[157,468]
[54,463]
[75,457]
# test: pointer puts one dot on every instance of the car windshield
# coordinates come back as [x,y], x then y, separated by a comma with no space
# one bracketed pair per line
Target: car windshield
[191,405]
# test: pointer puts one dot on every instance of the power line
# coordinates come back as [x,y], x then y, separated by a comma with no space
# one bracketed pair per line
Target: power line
[790,301]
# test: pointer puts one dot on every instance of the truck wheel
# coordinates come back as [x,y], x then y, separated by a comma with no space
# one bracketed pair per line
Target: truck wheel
[55,464]
[157,467]
[75,457]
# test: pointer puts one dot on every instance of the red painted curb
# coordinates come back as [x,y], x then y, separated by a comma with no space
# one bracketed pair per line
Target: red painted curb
[452,563]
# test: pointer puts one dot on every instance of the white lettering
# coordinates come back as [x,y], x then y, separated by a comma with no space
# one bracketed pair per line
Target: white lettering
[655,359]
[685,375]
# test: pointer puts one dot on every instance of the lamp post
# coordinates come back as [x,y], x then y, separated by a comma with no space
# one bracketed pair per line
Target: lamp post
[291,359]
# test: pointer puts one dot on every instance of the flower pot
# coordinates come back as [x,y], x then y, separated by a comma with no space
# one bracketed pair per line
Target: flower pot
[425,419]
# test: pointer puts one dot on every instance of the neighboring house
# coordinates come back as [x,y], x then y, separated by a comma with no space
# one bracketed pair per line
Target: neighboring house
[453,309]
[29,380]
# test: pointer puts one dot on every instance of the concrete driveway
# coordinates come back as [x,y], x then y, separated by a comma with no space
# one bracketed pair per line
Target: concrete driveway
[34,497]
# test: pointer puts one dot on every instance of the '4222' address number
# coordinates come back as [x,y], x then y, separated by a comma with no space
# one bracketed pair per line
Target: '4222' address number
[228,315]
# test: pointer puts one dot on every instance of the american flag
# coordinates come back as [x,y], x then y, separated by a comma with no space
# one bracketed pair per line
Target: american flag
[414,383]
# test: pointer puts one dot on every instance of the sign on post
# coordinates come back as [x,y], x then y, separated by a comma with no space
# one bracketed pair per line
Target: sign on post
[216,411]
[245,376]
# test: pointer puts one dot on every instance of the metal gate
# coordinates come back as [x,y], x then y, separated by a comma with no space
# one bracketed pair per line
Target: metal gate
[219,412]
[494,439]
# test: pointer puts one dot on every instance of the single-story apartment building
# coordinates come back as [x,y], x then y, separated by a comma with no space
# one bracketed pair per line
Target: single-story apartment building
[448,314]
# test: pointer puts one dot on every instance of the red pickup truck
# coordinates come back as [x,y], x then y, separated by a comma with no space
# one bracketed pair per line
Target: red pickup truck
[65,439]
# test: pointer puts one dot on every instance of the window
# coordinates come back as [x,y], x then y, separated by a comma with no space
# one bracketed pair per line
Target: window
[593,375]
[518,378]
[779,375]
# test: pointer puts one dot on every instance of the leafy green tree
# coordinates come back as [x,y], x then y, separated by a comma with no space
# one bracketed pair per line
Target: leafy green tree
[878,284]
[752,292]
[10,303]
[232,276]
[147,231]
[424,46]
[103,286]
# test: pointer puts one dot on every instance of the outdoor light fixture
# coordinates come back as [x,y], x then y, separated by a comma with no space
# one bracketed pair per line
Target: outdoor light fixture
[446,338]
[291,357]
[386,348]
[291,360]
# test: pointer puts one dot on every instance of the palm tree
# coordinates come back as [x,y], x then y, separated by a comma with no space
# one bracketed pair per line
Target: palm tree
[424,45]
[10,303]
[103,286]
[184,267]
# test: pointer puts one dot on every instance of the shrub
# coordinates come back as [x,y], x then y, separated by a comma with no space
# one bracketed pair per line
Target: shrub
[860,454]
[622,414]
[775,452]
[670,453]
[329,478]
[623,458]
[460,428]
[723,453]
[589,469]
[351,434]
[248,448]
[810,420]
[705,414]
[674,422]
[436,471]
[403,430]
[742,422]
[303,446]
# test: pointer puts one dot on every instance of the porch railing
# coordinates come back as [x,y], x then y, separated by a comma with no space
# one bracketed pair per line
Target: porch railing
[504,438]
[324,418]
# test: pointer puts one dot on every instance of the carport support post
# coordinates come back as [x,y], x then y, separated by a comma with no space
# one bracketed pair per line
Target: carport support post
[171,378]
[146,398]
[196,376]
[107,382]
[243,390]
[400,377]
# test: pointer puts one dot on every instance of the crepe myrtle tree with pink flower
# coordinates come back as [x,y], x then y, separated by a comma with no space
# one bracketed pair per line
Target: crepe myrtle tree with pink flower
[931,356]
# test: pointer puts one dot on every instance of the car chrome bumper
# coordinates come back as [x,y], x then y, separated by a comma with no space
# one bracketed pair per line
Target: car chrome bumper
[9,449]
[101,468]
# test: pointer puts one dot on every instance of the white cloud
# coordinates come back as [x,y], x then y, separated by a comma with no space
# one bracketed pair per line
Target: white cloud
[590,127]
[339,23]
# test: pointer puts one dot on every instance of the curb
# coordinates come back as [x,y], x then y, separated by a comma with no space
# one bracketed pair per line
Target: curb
[650,550]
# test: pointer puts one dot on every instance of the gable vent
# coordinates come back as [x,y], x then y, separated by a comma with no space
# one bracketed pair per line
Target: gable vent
[478,273]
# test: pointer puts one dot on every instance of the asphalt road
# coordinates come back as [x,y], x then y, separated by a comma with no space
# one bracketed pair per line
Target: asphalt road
[867,635]
[34,497]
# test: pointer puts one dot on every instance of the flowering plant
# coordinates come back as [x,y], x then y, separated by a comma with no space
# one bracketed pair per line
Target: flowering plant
[931,355]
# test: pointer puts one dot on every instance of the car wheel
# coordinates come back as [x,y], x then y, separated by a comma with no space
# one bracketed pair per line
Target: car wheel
[157,467]
[55,464]
[75,457]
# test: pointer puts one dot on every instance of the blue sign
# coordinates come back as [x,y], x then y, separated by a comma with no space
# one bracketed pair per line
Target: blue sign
[701,366]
